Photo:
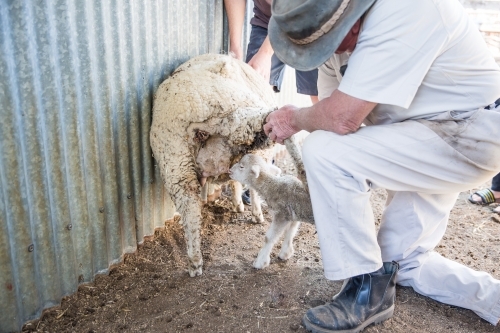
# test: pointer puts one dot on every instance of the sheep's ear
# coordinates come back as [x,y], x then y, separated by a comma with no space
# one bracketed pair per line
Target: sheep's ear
[256,170]
[274,170]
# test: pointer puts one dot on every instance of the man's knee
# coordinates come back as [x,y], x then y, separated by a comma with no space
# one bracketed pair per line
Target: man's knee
[310,147]
[313,148]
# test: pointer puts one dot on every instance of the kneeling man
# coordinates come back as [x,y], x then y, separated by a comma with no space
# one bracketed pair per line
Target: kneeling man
[419,75]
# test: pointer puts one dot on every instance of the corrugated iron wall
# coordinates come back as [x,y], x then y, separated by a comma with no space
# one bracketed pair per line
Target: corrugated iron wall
[78,186]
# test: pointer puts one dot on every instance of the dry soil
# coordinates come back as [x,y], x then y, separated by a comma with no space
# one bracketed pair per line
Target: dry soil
[151,290]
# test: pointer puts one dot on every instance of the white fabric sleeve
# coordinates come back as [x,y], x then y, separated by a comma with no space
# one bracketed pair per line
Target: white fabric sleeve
[327,80]
[396,47]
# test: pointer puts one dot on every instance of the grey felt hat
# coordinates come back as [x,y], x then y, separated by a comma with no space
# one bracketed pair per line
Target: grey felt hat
[305,33]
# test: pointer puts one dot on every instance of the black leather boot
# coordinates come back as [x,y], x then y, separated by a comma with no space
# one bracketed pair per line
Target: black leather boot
[363,300]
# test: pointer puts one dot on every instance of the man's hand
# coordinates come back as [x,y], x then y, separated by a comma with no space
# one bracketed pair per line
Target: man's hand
[280,123]
[261,62]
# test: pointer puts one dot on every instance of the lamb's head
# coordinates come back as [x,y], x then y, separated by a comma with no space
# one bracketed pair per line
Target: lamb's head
[250,167]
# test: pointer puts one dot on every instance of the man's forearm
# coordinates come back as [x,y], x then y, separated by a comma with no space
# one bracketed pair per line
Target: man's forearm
[339,113]
[266,47]
[235,10]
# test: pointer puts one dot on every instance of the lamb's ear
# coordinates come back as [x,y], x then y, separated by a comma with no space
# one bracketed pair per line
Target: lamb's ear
[256,170]
[275,171]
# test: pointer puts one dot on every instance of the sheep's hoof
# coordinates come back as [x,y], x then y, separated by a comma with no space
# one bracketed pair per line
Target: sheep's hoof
[195,271]
[195,268]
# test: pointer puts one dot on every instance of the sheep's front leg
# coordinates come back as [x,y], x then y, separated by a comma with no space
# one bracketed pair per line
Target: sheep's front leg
[274,232]
[204,192]
[236,192]
[287,246]
[190,209]
[256,206]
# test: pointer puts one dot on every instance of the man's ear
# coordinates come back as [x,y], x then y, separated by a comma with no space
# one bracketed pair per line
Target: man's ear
[356,27]
[256,170]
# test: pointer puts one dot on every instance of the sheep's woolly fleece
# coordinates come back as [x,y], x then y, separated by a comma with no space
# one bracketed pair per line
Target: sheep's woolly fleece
[209,96]
[216,90]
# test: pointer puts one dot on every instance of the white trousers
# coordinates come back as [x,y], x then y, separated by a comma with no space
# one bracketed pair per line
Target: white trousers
[423,165]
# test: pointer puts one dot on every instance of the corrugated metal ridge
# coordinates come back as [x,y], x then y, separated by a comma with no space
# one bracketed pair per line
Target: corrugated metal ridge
[78,185]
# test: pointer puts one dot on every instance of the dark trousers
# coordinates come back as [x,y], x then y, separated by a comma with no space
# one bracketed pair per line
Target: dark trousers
[305,81]
[495,183]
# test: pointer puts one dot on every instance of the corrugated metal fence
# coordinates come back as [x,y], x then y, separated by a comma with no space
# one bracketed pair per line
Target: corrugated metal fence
[78,187]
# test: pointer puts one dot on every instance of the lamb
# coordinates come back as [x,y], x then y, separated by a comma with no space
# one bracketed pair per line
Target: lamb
[214,158]
[287,197]
[206,115]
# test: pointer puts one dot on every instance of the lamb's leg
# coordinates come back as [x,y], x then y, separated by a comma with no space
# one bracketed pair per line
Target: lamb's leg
[190,209]
[287,246]
[256,206]
[236,192]
[274,232]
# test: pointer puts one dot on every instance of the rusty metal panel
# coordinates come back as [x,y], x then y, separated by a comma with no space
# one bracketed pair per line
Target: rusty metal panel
[78,183]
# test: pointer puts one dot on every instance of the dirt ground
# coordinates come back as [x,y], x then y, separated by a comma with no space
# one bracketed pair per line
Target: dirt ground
[151,290]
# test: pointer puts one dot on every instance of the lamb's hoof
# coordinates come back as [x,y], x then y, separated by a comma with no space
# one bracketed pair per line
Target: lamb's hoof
[258,219]
[261,263]
[239,208]
[195,269]
[286,253]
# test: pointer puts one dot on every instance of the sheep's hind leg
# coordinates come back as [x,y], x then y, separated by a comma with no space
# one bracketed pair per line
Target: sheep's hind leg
[274,232]
[256,207]
[190,210]
[287,250]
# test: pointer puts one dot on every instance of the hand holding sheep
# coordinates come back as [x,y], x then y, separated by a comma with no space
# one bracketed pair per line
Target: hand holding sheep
[280,123]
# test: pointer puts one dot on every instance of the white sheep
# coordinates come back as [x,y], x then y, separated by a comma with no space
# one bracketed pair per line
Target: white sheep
[207,115]
[287,197]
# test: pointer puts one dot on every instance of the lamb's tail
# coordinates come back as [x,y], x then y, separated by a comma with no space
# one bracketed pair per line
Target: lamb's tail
[294,151]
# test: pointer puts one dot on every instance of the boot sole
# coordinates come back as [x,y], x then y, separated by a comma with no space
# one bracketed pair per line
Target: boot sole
[377,319]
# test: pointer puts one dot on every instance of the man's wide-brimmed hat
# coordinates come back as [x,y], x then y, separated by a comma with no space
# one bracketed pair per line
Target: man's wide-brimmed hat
[305,33]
